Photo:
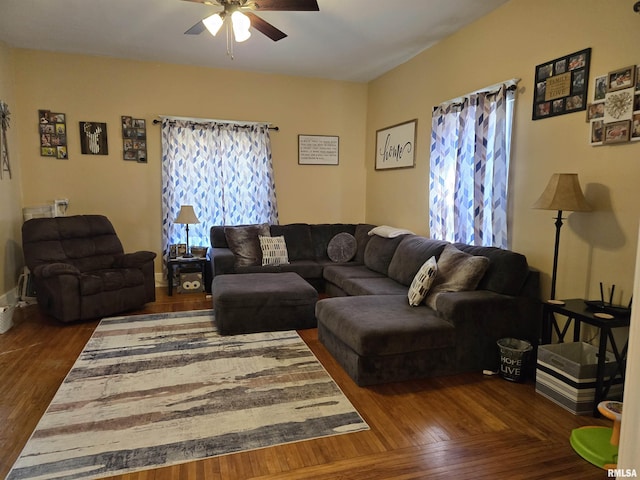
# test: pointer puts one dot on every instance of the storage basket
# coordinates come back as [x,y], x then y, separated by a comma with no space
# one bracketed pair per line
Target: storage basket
[6,317]
[566,375]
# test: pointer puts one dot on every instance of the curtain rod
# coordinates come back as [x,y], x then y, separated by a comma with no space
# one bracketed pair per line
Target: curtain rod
[208,120]
[511,84]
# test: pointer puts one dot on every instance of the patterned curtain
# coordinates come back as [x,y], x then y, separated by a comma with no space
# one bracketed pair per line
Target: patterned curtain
[469,171]
[224,170]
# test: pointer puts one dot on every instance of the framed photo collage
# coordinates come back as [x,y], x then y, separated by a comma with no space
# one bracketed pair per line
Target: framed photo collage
[614,114]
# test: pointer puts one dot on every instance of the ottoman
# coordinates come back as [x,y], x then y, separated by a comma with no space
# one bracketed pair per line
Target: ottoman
[262,302]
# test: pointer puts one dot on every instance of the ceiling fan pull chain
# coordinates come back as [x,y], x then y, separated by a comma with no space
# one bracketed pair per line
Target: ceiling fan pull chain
[229,41]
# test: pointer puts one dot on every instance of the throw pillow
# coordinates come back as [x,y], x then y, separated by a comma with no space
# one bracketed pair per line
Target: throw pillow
[385,231]
[274,250]
[457,272]
[243,242]
[422,282]
[342,247]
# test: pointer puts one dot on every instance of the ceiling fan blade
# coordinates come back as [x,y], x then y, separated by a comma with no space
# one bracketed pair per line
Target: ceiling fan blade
[204,2]
[197,29]
[265,27]
[291,5]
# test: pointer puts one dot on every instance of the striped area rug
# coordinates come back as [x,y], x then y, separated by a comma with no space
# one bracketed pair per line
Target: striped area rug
[155,390]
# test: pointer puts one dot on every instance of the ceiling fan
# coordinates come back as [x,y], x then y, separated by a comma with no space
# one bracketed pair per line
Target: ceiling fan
[240,13]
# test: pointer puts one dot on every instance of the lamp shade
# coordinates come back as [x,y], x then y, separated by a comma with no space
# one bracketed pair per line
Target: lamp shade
[563,192]
[213,23]
[187,215]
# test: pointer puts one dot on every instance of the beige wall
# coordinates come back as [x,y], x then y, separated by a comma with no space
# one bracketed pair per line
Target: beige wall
[102,89]
[595,247]
[10,188]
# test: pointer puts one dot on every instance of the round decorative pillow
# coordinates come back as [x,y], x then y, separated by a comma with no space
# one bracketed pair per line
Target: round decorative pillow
[342,247]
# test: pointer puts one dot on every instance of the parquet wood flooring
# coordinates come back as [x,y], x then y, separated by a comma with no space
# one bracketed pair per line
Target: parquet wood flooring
[459,427]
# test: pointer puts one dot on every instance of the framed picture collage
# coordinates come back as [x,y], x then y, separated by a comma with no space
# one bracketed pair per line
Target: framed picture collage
[614,114]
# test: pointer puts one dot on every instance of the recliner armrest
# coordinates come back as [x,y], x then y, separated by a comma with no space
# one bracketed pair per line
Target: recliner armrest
[50,270]
[134,260]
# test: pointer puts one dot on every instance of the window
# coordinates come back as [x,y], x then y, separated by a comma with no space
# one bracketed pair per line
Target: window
[224,170]
[469,168]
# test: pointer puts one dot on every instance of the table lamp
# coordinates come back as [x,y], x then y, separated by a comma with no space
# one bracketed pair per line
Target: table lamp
[187,217]
[563,192]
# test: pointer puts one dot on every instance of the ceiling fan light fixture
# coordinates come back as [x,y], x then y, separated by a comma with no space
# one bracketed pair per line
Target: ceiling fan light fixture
[213,23]
[241,25]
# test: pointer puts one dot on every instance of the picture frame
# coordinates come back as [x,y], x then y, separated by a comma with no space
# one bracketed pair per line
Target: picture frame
[396,146]
[596,132]
[599,88]
[635,127]
[619,105]
[561,85]
[595,111]
[52,128]
[621,78]
[134,139]
[93,138]
[318,150]
[616,132]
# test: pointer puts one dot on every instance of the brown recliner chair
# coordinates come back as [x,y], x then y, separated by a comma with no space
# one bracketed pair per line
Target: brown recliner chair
[80,269]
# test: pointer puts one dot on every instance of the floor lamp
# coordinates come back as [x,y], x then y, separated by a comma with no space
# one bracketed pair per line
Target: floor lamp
[563,193]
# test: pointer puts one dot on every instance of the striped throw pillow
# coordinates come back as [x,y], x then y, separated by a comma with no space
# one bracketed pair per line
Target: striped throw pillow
[422,282]
[274,250]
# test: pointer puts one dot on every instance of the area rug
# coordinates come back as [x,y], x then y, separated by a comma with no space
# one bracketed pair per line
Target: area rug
[155,390]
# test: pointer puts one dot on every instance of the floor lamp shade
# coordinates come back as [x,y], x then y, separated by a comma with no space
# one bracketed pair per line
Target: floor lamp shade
[563,192]
[187,216]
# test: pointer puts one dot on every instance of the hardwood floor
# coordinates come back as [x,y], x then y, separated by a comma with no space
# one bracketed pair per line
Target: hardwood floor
[464,427]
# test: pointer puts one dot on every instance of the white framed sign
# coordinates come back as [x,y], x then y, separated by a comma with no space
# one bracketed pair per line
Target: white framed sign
[318,149]
[396,146]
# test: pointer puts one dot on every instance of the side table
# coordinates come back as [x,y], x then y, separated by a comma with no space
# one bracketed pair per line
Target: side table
[577,312]
[200,262]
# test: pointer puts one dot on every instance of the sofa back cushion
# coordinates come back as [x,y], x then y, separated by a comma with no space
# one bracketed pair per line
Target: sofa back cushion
[322,233]
[362,239]
[507,272]
[379,252]
[411,254]
[298,239]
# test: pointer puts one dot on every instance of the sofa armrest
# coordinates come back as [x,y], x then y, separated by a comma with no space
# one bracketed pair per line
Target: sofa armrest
[51,270]
[481,317]
[222,261]
[133,260]
[492,313]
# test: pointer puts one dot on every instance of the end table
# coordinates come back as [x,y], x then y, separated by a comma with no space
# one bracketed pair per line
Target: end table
[577,311]
[199,262]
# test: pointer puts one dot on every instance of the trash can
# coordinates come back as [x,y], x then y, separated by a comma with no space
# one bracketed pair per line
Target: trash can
[514,355]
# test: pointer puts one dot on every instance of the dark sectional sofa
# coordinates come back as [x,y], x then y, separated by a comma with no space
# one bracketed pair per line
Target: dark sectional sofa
[367,323]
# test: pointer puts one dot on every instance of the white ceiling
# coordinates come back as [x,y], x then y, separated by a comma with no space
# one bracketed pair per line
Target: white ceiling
[353,40]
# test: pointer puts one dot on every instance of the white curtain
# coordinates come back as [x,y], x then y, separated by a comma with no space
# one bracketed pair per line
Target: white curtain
[469,169]
[224,170]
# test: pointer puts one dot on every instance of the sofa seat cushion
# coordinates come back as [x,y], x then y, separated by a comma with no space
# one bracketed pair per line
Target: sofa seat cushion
[304,268]
[337,274]
[92,283]
[388,325]
[374,286]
